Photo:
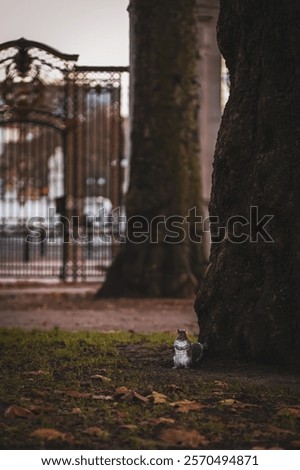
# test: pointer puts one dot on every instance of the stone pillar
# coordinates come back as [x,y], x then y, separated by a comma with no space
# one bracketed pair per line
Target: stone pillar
[210,92]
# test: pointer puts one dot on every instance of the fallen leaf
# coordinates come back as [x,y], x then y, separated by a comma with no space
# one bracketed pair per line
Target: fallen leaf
[234,426]
[131,427]
[290,411]
[14,411]
[164,421]
[128,397]
[157,397]
[181,437]
[184,406]
[37,372]
[276,430]
[133,395]
[217,393]
[42,393]
[242,405]
[228,402]
[139,397]
[236,404]
[121,391]
[102,397]
[76,394]
[94,431]
[100,377]
[37,408]
[48,434]
[76,411]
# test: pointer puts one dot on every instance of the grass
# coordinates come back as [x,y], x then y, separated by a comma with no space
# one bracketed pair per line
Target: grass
[50,376]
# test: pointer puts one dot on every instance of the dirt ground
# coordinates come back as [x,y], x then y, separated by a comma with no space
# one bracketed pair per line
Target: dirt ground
[75,308]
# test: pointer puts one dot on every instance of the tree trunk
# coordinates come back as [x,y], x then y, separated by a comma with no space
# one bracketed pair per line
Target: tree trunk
[165,173]
[248,304]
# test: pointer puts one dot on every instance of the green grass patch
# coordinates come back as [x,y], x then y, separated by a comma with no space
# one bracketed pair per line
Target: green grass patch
[70,383]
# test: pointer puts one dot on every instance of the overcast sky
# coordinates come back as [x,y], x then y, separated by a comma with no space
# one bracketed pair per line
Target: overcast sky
[98,30]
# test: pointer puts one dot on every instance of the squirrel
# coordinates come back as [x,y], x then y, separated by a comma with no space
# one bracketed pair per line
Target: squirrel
[187,354]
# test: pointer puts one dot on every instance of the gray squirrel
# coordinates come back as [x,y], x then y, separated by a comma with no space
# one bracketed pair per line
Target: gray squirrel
[187,354]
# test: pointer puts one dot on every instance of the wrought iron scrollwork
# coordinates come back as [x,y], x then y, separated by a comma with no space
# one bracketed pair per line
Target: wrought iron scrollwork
[60,153]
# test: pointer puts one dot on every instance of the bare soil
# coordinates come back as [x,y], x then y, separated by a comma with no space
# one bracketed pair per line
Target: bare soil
[68,310]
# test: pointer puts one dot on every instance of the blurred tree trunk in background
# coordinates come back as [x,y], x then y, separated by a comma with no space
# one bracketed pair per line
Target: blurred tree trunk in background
[249,302]
[165,173]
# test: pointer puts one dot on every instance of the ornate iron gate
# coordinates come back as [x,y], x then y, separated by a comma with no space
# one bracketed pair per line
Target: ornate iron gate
[60,172]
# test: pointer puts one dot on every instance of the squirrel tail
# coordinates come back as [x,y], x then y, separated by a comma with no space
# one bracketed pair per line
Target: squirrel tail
[197,353]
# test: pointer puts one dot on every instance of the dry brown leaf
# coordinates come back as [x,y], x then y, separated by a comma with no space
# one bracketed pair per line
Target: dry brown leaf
[14,411]
[157,397]
[235,404]
[100,377]
[181,402]
[139,397]
[181,437]
[94,431]
[228,402]
[276,430]
[76,411]
[42,393]
[231,402]
[241,405]
[255,434]
[129,395]
[164,421]
[131,427]
[37,408]
[76,394]
[102,397]
[121,391]
[184,406]
[290,411]
[37,372]
[48,434]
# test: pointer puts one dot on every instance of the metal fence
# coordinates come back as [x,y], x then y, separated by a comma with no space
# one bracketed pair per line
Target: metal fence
[61,146]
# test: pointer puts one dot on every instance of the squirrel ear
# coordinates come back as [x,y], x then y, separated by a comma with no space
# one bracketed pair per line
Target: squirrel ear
[178,330]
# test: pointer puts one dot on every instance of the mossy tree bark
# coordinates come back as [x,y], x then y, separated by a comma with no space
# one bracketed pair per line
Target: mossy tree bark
[165,173]
[249,302]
